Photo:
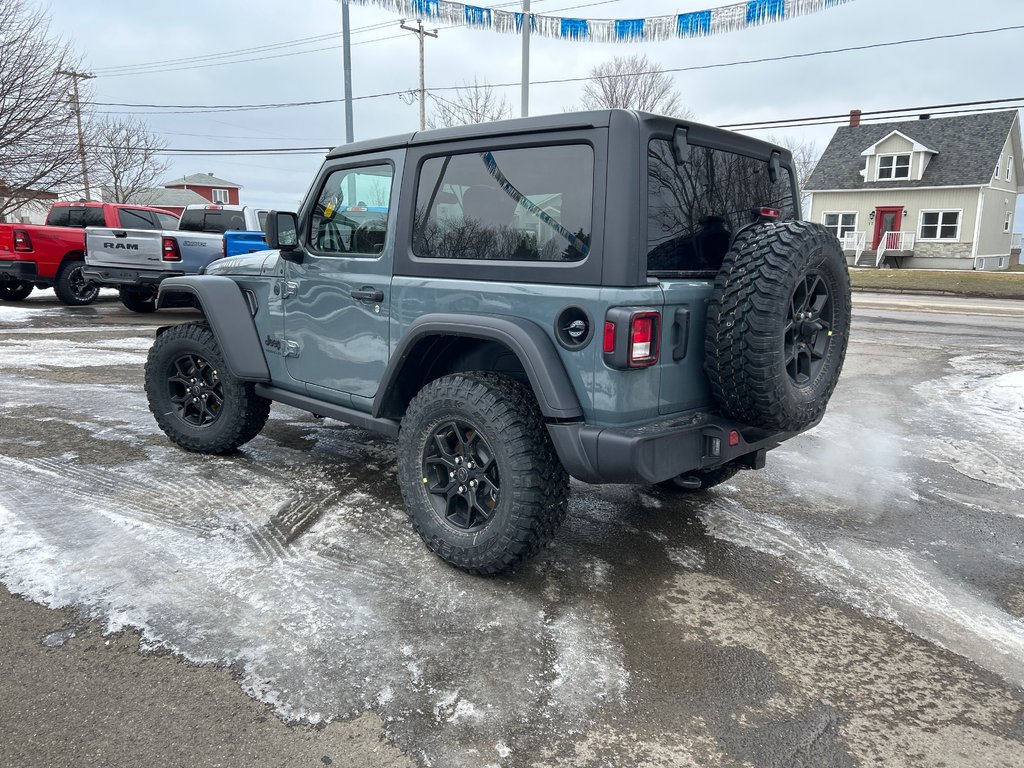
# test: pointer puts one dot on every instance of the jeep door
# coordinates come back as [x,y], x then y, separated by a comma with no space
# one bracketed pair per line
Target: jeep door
[336,300]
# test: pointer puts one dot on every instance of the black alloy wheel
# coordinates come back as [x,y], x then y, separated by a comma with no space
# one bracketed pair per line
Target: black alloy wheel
[82,289]
[195,390]
[14,290]
[808,332]
[461,475]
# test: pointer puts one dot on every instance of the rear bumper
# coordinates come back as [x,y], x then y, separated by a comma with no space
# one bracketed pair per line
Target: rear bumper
[656,452]
[21,270]
[118,276]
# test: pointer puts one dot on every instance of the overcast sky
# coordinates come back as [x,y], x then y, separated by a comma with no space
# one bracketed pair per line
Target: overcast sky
[118,33]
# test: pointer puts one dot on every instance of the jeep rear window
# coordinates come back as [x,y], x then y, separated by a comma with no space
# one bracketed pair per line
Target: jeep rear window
[202,220]
[76,216]
[530,204]
[695,207]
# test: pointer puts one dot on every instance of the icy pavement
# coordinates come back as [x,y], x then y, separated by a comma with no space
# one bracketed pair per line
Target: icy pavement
[861,597]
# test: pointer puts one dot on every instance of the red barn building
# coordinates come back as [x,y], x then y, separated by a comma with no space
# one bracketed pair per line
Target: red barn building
[211,188]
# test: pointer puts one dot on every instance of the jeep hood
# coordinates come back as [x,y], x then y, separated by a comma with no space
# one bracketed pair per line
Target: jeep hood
[256,264]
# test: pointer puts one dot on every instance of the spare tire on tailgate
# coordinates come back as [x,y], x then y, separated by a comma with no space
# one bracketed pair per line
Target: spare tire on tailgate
[778,324]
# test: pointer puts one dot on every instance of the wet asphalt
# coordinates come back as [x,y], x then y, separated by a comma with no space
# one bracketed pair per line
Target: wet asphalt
[860,602]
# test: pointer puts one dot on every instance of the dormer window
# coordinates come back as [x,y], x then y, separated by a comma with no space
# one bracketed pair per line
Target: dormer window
[893,167]
[221,196]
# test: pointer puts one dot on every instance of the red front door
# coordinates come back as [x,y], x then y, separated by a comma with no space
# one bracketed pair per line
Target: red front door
[886,220]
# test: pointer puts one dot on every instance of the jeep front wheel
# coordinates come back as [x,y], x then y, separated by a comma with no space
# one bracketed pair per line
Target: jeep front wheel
[198,403]
[479,475]
[14,290]
[71,286]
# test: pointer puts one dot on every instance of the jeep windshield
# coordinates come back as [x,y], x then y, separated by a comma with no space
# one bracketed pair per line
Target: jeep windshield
[697,205]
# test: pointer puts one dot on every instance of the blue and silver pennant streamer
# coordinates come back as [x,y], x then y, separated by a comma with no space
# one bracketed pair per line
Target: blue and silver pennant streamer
[713,21]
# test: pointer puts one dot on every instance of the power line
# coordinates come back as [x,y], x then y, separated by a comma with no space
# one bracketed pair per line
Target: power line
[879,116]
[200,109]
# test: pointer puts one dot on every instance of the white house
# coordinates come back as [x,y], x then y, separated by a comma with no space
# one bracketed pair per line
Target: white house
[929,193]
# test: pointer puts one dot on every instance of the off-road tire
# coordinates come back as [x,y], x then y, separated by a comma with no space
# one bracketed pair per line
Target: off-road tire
[707,478]
[71,288]
[142,302]
[533,496]
[747,343]
[14,290]
[242,414]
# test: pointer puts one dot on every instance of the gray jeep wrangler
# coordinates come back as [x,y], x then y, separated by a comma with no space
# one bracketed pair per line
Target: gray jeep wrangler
[614,296]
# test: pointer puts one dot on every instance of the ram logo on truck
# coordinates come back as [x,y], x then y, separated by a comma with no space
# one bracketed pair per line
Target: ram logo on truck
[122,246]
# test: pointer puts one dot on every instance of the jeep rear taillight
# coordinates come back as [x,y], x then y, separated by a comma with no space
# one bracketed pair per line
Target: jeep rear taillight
[170,249]
[631,337]
[22,242]
[643,339]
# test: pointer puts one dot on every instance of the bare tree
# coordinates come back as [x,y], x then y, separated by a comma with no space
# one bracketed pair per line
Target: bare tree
[38,133]
[805,156]
[475,103]
[126,159]
[633,82]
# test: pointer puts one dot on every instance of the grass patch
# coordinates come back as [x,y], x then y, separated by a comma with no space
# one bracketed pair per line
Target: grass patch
[992,285]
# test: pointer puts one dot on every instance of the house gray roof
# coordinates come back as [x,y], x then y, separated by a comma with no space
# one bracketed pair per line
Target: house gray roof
[968,148]
[204,180]
[161,197]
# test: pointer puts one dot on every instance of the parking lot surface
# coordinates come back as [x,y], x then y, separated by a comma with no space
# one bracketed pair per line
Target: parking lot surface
[859,602]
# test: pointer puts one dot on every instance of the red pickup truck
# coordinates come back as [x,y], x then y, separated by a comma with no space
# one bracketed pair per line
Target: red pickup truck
[53,254]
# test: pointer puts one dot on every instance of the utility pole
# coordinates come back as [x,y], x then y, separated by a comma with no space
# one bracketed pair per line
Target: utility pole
[75,77]
[420,32]
[346,54]
[527,19]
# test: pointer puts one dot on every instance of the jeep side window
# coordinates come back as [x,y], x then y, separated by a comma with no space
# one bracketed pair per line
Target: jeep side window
[529,204]
[351,213]
[695,207]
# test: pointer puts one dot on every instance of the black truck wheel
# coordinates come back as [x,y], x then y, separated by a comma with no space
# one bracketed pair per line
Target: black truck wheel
[197,401]
[71,286]
[141,301]
[479,475]
[778,324]
[14,290]
[699,480]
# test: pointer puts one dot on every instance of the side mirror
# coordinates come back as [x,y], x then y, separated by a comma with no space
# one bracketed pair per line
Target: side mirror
[283,234]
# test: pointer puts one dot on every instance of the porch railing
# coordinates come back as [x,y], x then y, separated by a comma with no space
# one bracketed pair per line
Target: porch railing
[899,242]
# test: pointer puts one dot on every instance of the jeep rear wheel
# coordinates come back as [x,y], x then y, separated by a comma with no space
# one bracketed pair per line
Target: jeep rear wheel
[136,300]
[198,403]
[778,325]
[14,290]
[479,475]
[71,286]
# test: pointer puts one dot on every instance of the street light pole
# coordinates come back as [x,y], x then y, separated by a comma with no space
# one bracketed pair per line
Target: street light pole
[421,33]
[75,77]
[525,109]
[346,48]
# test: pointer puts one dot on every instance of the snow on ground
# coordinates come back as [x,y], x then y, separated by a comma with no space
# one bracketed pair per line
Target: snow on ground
[18,314]
[62,353]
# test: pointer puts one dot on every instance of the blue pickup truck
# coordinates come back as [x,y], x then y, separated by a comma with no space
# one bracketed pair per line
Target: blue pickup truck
[136,261]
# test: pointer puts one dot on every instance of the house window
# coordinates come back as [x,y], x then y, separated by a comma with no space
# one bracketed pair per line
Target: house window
[1008,221]
[221,196]
[841,223]
[1009,169]
[893,167]
[940,225]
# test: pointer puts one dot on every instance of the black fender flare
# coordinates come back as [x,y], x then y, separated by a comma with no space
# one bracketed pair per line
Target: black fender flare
[527,341]
[221,301]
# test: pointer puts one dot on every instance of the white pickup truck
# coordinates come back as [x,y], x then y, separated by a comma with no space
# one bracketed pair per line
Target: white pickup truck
[136,261]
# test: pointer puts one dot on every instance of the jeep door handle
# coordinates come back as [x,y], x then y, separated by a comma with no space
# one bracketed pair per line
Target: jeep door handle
[367,293]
